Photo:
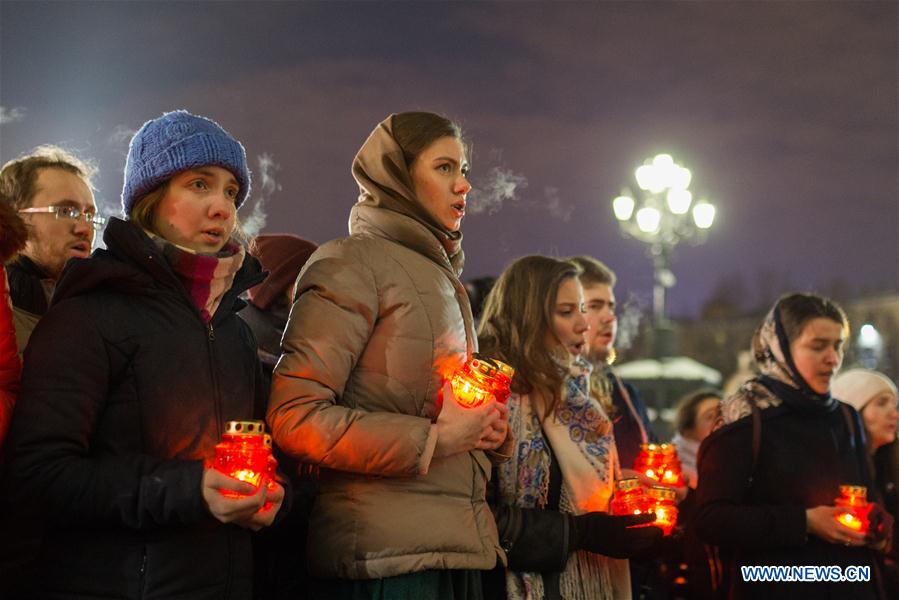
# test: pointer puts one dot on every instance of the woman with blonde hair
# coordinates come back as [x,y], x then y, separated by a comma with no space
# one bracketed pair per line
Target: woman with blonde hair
[552,496]
[129,379]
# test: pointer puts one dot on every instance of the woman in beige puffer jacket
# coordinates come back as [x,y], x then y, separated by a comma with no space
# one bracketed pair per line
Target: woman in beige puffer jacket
[380,319]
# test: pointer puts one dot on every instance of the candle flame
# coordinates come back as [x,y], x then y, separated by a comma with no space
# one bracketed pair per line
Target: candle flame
[665,520]
[247,475]
[850,521]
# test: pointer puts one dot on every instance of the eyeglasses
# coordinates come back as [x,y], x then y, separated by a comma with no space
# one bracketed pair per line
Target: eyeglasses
[69,212]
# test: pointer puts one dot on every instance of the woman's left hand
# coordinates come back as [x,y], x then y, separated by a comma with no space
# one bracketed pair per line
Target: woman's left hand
[274,496]
[821,521]
[496,433]
[880,528]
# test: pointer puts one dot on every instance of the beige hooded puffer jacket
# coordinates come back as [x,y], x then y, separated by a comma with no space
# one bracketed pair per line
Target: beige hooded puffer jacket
[380,318]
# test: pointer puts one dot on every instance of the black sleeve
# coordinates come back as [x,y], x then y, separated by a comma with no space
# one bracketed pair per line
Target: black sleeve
[723,517]
[53,466]
[534,539]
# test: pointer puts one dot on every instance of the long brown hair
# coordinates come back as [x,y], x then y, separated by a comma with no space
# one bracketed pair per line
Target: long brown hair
[517,313]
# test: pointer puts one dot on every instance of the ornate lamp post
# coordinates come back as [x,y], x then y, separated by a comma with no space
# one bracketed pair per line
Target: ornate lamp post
[662,214]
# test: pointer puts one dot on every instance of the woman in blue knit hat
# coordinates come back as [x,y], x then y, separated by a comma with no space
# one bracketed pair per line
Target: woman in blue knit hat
[130,378]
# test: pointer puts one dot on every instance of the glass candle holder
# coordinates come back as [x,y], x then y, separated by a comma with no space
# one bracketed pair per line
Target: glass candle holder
[479,379]
[629,498]
[660,462]
[243,454]
[853,500]
[663,504]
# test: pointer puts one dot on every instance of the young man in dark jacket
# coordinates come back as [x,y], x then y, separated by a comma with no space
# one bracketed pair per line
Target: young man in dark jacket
[627,409]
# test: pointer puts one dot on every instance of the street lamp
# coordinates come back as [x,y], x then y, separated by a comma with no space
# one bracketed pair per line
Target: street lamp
[660,215]
[870,346]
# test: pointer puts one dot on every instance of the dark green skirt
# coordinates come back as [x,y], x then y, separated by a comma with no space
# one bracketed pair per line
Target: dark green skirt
[426,585]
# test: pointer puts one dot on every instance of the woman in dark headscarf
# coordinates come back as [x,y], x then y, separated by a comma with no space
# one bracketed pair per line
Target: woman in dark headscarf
[380,320]
[768,478]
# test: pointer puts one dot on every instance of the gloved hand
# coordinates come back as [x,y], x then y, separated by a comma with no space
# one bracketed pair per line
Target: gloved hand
[880,528]
[613,535]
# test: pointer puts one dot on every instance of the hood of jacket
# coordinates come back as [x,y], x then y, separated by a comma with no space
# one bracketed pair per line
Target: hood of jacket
[388,206]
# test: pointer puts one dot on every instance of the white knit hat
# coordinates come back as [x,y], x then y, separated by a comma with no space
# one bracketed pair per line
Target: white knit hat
[857,387]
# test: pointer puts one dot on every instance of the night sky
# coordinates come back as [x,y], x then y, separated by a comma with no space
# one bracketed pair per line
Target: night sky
[786,112]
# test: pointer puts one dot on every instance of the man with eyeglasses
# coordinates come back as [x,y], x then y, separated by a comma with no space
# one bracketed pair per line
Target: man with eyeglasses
[51,190]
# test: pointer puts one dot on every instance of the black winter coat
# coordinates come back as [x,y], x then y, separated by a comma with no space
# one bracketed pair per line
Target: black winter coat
[757,515]
[124,395]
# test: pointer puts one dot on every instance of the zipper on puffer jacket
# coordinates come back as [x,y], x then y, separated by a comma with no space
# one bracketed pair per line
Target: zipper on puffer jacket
[216,400]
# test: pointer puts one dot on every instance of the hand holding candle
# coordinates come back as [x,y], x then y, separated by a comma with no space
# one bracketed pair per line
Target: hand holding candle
[631,499]
[623,536]
[241,487]
[823,522]
[481,379]
[880,528]
[853,501]
[243,454]
[499,429]
[462,429]
[274,496]
[242,502]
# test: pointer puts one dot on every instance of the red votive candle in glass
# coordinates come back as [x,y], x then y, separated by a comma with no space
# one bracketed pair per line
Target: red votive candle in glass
[243,454]
[660,462]
[629,498]
[853,501]
[647,459]
[663,504]
[479,379]
[670,473]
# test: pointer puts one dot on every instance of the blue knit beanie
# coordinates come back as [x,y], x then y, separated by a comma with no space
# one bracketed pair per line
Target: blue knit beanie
[175,142]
